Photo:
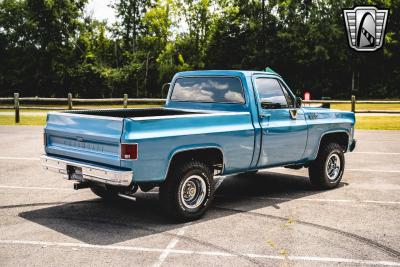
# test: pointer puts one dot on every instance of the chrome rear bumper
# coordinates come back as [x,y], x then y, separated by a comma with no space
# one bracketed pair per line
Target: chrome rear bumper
[89,172]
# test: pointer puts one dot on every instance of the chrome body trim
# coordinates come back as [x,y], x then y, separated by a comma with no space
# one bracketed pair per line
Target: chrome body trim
[202,114]
[94,173]
[75,113]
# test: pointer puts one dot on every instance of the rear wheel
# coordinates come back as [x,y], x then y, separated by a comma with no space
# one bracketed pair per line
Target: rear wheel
[104,193]
[188,191]
[327,170]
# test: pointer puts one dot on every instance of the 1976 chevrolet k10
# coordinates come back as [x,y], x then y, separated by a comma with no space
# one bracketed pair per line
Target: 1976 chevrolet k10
[213,123]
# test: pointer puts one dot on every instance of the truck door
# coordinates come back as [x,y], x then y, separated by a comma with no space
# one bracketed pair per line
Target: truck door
[284,128]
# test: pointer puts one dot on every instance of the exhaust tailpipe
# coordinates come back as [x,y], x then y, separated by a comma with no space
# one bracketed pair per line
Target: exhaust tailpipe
[81,185]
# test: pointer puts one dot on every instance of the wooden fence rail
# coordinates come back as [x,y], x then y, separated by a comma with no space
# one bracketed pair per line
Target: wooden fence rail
[349,101]
[69,101]
[81,100]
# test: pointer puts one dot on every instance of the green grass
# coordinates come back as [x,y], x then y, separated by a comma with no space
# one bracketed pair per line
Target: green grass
[24,120]
[367,106]
[378,122]
[363,122]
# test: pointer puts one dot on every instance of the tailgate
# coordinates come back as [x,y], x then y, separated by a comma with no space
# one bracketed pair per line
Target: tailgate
[85,137]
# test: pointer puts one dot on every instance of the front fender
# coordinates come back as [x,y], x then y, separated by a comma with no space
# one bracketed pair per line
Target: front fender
[315,154]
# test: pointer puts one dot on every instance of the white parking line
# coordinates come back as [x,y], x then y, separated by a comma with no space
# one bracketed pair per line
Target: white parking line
[204,253]
[354,152]
[263,198]
[18,158]
[279,169]
[330,200]
[169,247]
[371,170]
[375,153]
[34,187]
[270,169]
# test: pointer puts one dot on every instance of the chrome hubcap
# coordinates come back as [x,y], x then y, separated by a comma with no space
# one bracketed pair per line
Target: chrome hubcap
[193,191]
[333,166]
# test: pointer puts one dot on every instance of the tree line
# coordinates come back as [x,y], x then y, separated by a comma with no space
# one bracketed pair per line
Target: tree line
[52,47]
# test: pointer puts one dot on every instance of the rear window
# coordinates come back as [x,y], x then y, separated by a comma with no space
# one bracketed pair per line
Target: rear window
[208,89]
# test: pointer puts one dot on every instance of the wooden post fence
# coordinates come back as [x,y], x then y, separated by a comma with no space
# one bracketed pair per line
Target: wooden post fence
[70,101]
[16,107]
[353,103]
[125,100]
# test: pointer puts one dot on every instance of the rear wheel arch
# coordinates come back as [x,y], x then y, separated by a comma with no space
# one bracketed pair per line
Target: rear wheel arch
[212,156]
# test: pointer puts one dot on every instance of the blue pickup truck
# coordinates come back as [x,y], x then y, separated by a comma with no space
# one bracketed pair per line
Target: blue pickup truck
[213,123]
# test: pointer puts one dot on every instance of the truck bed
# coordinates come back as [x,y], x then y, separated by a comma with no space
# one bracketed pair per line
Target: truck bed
[133,112]
[95,135]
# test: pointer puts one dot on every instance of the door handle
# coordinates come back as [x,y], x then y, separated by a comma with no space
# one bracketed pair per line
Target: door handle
[263,116]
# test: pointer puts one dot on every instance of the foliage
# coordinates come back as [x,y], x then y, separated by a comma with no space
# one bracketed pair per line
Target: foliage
[50,47]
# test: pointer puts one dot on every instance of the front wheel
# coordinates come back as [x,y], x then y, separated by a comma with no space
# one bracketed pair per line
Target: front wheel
[327,170]
[188,191]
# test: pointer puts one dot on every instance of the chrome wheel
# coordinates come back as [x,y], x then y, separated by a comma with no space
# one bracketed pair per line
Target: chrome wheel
[193,191]
[333,165]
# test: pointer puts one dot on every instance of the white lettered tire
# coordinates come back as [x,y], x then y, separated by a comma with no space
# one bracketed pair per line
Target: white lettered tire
[327,170]
[188,191]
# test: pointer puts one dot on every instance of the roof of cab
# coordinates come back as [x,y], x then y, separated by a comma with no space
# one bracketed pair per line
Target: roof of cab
[225,72]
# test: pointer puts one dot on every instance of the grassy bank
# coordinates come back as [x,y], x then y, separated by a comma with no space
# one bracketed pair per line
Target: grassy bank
[378,123]
[24,120]
[367,106]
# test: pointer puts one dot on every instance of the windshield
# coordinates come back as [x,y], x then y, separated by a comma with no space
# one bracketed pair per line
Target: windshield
[208,89]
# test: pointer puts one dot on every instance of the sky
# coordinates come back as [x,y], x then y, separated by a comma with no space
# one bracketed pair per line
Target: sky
[100,10]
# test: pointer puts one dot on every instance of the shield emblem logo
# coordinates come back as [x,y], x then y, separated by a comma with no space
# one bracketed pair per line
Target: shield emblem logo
[365,27]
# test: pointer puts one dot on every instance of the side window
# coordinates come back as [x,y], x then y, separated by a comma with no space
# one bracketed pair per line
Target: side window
[271,94]
[208,90]
[288,96]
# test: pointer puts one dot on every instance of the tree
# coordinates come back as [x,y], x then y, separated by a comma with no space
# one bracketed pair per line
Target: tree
[36,42]
[130,13]
[50,47]
[198,17]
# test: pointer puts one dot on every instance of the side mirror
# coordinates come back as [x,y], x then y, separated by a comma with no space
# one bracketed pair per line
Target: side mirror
[299,102]
[164,86]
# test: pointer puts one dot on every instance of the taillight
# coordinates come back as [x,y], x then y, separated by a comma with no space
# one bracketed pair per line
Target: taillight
[129,151]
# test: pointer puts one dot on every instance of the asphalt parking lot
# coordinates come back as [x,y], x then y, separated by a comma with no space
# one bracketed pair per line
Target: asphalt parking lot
[272,218]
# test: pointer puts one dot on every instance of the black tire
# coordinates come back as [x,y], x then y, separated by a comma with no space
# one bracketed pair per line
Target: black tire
[105,193]
[172,200]
[319,171]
